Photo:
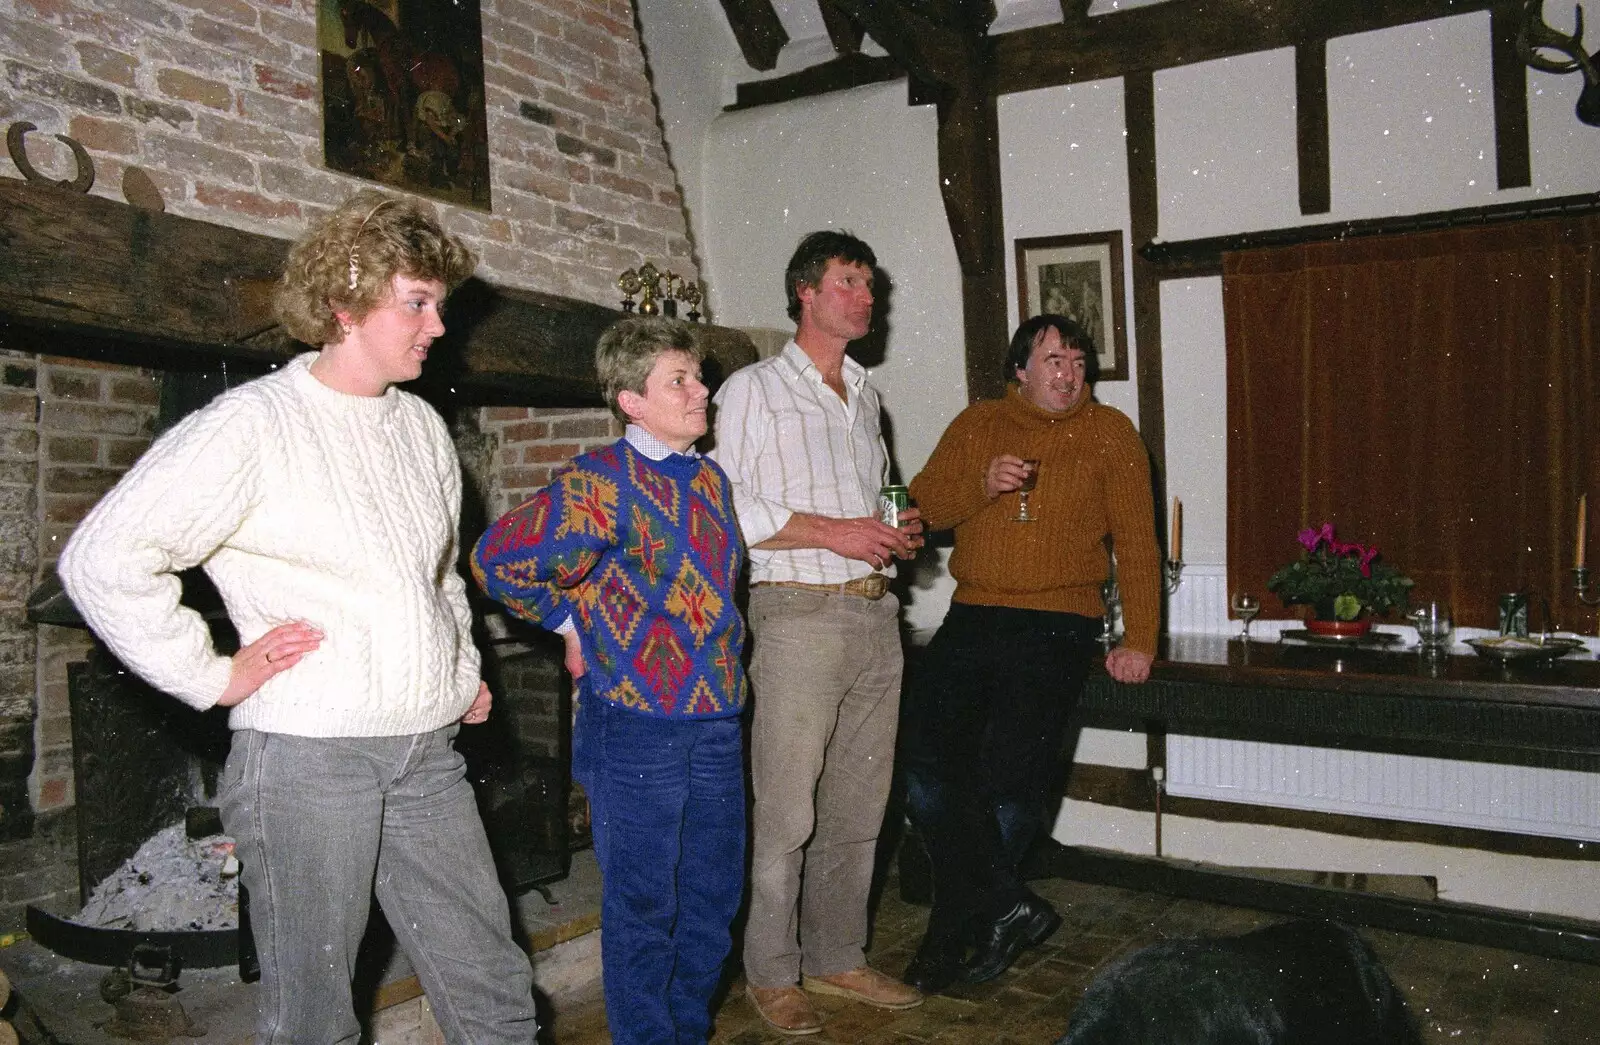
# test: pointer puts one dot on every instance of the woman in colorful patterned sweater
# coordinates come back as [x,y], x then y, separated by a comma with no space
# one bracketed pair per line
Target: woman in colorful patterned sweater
[632,552]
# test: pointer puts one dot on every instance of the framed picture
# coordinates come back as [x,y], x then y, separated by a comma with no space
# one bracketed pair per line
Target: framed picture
[402,95]
[1079,277]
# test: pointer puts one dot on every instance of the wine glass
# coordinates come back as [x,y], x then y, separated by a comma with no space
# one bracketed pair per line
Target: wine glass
[1246,607]
[1111,599]
[1433,626]
[1029,481]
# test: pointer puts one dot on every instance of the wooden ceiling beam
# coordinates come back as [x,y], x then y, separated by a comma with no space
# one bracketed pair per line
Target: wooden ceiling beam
[842,29]
[929,51]
[1182,32]
[154,289]
[758,30]
[840,74]
[1166,35]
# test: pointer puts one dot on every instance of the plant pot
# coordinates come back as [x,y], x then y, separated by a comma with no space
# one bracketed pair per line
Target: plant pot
[1339,629]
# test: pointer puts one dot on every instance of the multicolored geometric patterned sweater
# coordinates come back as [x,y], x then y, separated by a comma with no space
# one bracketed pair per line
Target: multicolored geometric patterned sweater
[642,556]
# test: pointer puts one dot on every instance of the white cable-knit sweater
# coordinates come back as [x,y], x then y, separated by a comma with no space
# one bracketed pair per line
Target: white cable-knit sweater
[301,503]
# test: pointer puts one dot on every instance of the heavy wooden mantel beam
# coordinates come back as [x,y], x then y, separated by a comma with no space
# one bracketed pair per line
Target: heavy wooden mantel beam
[84,269]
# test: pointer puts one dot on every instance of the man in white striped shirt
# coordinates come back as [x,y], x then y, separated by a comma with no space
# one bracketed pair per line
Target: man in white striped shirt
[801,438]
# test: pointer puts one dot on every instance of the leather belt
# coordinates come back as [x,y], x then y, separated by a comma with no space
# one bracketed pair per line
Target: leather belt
[873,586]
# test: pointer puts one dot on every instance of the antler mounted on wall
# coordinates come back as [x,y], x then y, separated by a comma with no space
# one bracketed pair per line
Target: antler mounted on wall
[1535,35]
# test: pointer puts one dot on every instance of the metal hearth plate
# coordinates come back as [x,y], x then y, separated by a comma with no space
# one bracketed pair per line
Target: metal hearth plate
[194,949]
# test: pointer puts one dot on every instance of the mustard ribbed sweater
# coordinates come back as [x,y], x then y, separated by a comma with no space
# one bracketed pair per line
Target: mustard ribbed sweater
[1094,479]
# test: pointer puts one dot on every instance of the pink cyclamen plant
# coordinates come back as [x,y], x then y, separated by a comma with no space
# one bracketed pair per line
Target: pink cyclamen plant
[1340,580]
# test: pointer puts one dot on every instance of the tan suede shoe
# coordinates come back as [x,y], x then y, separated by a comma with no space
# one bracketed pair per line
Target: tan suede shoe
[785,1009]
[865,984]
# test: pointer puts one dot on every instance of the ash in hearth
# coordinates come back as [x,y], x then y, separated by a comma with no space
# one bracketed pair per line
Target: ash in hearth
[172,884]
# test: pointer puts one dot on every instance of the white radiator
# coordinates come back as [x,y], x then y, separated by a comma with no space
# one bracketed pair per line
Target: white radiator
[1520,799]
[1200,605]
[1555,802]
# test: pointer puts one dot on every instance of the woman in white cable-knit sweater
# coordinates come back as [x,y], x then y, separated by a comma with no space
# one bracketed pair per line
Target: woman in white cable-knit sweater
[324,503]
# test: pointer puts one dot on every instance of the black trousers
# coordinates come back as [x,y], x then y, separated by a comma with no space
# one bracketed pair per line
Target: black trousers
[981,746]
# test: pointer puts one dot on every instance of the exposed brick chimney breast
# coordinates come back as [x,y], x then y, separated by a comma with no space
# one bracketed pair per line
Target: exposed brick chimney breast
[219,102]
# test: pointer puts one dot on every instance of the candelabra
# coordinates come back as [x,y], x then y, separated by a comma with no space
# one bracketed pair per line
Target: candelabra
[1172,573]
[659,292]
[1580,581]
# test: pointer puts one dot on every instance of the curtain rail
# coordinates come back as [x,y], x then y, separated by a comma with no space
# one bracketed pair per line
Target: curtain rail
[1197,257]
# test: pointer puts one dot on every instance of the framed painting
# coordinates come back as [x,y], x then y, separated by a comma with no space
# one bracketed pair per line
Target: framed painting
[402,95]
[1079,277]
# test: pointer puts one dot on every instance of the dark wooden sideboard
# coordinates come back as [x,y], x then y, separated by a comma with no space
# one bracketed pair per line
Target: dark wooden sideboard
[1456,706]
[1544,714]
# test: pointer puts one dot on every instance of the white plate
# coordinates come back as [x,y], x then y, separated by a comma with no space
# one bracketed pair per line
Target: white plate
[1515,647]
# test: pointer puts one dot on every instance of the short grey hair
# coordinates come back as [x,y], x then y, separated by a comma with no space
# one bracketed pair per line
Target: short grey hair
[627,352]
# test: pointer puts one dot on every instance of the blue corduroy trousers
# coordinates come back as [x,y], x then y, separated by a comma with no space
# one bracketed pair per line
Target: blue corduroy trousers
[667,800]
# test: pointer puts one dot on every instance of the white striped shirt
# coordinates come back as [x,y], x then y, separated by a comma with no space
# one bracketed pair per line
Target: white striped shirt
[790,444]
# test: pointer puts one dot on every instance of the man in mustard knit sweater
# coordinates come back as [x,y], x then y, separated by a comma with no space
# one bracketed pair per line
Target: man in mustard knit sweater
[990,698]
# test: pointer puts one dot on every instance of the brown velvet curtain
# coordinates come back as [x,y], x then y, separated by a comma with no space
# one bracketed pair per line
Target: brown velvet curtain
[1433,393]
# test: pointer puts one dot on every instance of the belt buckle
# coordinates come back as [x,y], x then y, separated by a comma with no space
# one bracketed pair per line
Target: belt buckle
[874,586]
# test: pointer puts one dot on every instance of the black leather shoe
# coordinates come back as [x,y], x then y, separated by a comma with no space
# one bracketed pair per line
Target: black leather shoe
[934,967]
[1030,922]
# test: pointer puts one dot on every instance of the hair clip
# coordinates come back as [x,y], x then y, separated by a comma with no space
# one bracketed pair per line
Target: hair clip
[355,244]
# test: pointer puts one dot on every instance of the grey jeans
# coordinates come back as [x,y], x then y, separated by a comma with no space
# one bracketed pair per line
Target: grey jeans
[322,824]
[825,675]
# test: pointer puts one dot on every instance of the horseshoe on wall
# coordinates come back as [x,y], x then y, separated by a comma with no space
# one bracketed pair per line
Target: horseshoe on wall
[19,156]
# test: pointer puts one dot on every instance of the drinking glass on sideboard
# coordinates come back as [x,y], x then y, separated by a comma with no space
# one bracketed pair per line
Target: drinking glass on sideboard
[1246,607]
[1434,627]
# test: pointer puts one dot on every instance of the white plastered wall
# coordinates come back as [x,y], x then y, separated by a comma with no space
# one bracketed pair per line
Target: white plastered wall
[1411,131]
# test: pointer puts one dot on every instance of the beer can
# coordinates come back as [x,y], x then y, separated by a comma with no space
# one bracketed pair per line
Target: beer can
[1514,613]
[891,501]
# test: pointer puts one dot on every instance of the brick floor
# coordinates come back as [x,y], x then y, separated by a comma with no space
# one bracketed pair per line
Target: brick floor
[1459,993]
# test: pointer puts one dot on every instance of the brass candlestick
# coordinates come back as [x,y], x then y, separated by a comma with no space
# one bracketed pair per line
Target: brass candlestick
[629,284]
[661,290]
[650,286]
[691,296]
[1580,582]
[1172,573]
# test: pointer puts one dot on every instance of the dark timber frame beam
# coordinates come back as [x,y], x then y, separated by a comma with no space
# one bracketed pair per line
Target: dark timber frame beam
[1182,32]
[756,27]
[1311,126]
[1513,163]
[954,63]
[1139,114]
[842,29]
[966,75]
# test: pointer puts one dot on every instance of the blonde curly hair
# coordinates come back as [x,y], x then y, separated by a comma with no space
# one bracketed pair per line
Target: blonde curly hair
[347,262]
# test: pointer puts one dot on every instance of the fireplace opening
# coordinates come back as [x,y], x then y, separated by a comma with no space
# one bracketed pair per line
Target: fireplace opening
[144,762]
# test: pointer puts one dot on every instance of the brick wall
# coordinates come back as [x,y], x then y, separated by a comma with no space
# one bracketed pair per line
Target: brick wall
[531,442]
[68,430]
[220,103]
[19,473]
[95,419]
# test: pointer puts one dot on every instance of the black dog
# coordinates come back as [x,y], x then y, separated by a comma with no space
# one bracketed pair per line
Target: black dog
[1299,983]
